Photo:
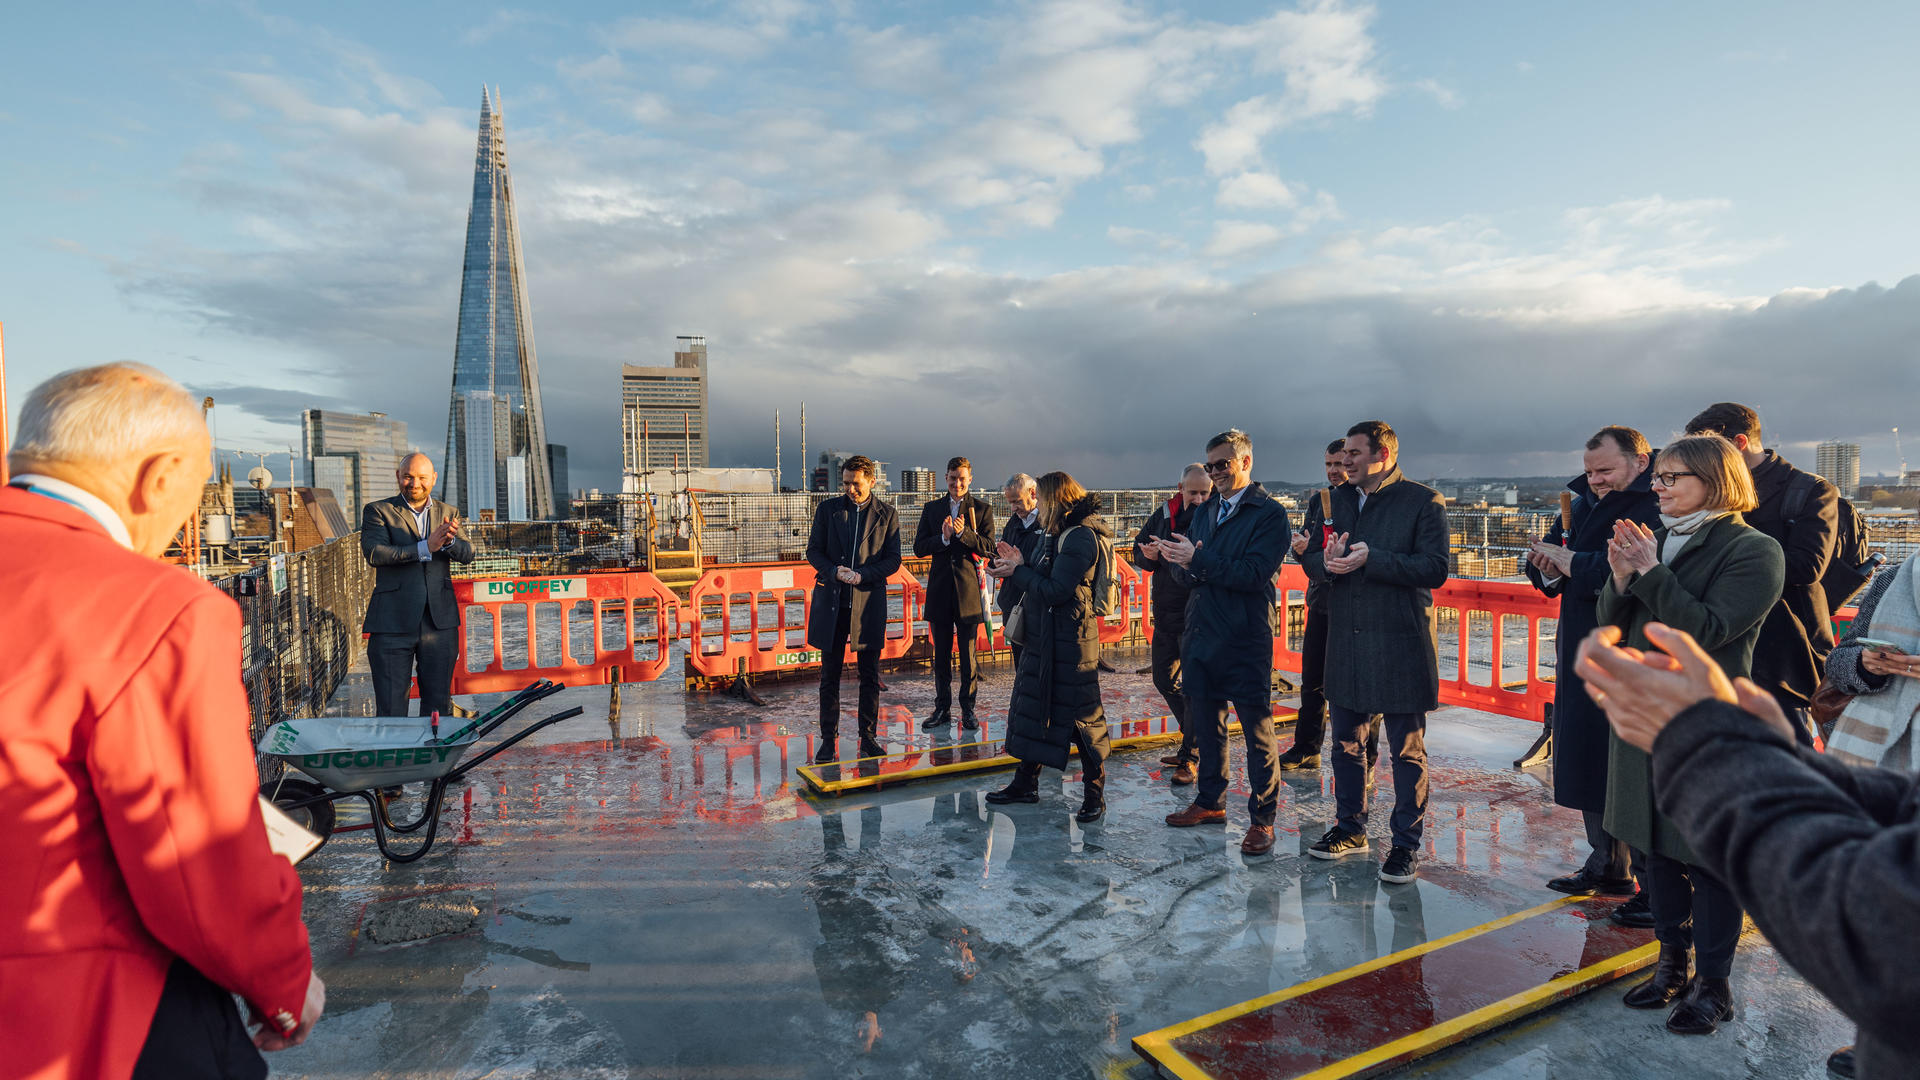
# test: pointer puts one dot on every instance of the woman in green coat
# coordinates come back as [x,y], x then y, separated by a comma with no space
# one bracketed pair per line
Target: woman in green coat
[1705,571]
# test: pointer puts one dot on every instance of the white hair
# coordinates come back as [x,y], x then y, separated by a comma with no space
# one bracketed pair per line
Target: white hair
[105,414]
[1019,482]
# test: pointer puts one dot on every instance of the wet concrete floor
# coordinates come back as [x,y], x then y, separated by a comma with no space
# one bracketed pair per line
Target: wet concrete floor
[659,899]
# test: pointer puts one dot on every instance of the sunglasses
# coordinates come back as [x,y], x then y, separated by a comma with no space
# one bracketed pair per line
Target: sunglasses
[1219,466]
[1667,479]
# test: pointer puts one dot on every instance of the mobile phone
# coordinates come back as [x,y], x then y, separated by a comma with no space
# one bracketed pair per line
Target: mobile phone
[1876,643]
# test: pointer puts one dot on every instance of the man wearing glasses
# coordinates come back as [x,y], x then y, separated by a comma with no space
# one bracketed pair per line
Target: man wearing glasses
[1238,538]
[1388,553]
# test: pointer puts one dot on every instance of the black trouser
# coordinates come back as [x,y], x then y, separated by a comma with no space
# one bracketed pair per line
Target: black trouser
[1407,740]
[1166,679]
[197,1033]
[944,632]
[1610,858]
[391,659]
[1209,718]
[1691,909]
[1310,726]
[832,659]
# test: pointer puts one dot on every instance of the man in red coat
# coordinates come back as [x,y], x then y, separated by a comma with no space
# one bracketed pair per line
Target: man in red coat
[138,889]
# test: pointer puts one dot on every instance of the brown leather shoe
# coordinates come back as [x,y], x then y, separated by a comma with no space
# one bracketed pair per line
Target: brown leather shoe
[1195,814]
[1183,775]
[1258,841]
[1173,759]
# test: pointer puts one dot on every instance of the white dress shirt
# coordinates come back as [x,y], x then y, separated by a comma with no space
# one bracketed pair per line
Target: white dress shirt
[420,526]
[954,510]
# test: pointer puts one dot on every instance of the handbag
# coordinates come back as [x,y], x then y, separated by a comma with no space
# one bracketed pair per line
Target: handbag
[1826,706]
[1015,631]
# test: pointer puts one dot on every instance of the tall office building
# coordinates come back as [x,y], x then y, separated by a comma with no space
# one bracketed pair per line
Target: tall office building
[354,455]
[915,478]
[663,414]
[557,467]
[1839,462]
[493,346]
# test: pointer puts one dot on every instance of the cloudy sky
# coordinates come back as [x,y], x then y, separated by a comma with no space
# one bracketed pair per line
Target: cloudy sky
[1082,234]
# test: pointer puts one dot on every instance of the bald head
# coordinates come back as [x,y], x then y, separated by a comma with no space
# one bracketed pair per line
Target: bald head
[416,478]
[126,433]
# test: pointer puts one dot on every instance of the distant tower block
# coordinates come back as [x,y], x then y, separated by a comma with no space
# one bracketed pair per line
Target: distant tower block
[493,346]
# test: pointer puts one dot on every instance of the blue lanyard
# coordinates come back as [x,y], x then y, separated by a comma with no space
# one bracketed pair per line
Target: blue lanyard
[44,493]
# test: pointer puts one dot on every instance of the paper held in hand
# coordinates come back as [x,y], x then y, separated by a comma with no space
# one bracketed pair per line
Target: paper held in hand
[285,835]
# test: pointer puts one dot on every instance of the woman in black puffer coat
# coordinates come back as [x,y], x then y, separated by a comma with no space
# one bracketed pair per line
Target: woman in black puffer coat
[1056,689]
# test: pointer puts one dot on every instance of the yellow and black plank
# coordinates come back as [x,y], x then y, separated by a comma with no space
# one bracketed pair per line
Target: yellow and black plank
[1387,1012]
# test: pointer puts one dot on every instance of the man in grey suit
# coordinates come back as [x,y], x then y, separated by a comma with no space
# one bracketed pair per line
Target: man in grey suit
[1389,551]
[412,541]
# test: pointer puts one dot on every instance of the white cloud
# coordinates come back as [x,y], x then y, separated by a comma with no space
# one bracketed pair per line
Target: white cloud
[1232,239]
[1256,190]
[1441,93]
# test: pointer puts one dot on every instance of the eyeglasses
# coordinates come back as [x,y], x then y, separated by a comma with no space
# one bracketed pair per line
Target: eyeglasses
[1225,465]
[1667,479]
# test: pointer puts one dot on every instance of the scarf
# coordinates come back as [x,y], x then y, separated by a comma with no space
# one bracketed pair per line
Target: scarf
[1876,729]
[1681,529]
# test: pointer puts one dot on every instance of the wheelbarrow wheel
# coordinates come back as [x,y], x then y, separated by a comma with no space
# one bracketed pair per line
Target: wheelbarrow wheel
[317,817]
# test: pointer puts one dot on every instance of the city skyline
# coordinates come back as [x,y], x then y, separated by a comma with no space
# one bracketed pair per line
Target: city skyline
[1037,234]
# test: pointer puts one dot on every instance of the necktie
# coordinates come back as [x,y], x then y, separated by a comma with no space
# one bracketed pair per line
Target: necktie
[1226,511]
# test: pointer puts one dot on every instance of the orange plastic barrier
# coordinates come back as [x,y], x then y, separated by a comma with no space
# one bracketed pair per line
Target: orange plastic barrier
[635,602]
[761,612]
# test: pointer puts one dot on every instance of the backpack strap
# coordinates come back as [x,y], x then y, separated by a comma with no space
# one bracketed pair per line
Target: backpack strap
[1799,492]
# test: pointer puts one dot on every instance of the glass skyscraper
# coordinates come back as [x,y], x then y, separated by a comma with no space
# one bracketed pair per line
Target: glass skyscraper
[493,349]
[356,455]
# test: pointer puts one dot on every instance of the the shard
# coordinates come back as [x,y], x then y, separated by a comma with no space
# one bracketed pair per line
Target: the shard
[496,438]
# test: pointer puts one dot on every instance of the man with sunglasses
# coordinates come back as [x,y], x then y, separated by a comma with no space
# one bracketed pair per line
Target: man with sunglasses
[1238,538]
[1388,553]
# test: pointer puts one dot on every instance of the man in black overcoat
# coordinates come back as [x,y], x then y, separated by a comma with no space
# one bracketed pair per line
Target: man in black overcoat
[1388,554]
[956,532]
[1310,723]
[854,548]
[1023,531]
[1801,511]
[1572,565]
[1226,655]
[1169,605]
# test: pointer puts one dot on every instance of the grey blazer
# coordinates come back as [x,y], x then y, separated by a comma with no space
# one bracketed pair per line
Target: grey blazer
[404,588]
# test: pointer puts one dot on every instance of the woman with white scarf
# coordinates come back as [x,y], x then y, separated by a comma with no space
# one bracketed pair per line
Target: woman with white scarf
[1707,572]
[1878,663]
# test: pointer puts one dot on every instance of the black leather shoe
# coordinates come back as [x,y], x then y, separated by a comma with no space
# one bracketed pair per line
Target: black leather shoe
[1014,792]
[1637,913]
[1840,1063]
[966,718]
[1669,981]
[826,755]
[1583,883]
[1298,759]
[870,748]
[1706,1004]
[940,718]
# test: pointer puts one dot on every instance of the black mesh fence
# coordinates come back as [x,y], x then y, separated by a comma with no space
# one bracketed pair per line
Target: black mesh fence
[300,628]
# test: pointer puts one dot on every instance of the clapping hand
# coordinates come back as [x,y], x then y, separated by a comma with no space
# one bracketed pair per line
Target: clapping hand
[1300,542]
[1642,692]
[1175,549]
[1631,551]
[950,527]
[1006,559]
[444,534]
[847,574]
[1344,555]
[1551,560]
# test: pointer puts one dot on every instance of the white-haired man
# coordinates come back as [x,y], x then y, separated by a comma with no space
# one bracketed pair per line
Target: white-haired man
[139,891]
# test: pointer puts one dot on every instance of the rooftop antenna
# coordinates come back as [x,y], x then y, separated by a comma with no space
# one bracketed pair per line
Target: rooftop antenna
[776,449]
[806,466]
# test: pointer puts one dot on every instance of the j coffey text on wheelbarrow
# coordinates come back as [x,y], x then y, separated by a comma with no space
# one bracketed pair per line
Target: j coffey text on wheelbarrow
[355,757]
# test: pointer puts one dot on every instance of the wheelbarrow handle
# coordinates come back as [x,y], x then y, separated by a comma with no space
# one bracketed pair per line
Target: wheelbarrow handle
[474,762]
[494,717]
